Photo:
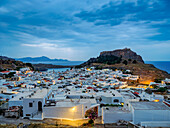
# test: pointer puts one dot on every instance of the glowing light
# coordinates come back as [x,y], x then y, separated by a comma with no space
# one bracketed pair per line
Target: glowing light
[19,79]
[38,82]
[27,72]
[151,86]
[15,84]
[88,69]
[122,103]
[156,101]
[73,109]
[15,92]
[53,81]
[146,82]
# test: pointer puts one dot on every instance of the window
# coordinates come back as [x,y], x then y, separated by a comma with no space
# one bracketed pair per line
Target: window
[30,104]
[116,100]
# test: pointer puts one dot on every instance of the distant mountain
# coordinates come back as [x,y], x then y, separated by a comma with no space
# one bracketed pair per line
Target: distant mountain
[38,59]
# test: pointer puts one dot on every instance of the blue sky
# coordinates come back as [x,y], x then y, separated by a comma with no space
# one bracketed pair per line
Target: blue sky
[80,29]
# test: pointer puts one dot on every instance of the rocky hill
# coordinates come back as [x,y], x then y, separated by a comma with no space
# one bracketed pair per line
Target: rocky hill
[11,64]
[124,59]
[124,54]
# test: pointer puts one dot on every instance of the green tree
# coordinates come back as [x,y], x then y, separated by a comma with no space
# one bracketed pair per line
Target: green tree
[78,66]
[30,65]
[157,80]
[161,89]
[134,62]
[125,62]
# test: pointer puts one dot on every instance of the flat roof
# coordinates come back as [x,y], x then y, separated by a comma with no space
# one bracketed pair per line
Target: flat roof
[19,95]
[149,106]
[66,104]
[109,93]
[109,109]
[40,93]
[69,103]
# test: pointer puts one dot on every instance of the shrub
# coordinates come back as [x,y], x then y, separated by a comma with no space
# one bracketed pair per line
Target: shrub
[148,90]
[91,114]
[30,65]
[90,121]
[125,62]
[18,68]
[99,68]
[78,66]
[134,62]
[161,89]
[157,80]
[84,124]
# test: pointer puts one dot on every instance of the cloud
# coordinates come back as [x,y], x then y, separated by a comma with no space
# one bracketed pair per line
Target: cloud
[127,10]
[42,45]
[78,30]
[3,10]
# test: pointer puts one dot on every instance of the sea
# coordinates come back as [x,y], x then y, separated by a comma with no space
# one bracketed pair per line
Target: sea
[163,65]
[64,63]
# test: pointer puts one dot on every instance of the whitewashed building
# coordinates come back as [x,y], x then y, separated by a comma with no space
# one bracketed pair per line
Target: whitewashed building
[150,114]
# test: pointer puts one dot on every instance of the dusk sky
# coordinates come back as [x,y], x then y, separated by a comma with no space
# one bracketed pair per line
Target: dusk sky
[81,29]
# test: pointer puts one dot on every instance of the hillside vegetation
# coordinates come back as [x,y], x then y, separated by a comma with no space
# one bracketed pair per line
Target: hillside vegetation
[124,59]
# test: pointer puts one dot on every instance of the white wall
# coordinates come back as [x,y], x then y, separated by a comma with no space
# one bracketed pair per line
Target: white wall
[66,112]
[110,100]
[156,124]
[113,117]
[15,103]
[30,110]
[150,115]
[63,112]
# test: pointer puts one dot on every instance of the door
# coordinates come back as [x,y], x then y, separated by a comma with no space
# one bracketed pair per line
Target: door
[40,106]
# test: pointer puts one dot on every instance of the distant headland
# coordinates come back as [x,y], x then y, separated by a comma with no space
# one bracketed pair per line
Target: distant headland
[38,59]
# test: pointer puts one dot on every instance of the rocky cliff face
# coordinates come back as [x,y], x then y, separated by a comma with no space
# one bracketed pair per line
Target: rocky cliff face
[124,53]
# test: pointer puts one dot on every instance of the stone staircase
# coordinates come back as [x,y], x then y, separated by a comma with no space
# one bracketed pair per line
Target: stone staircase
[38,115]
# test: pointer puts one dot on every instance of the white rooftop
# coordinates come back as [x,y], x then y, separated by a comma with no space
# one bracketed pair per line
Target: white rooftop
[149,106]
[40,93]
[74,102]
